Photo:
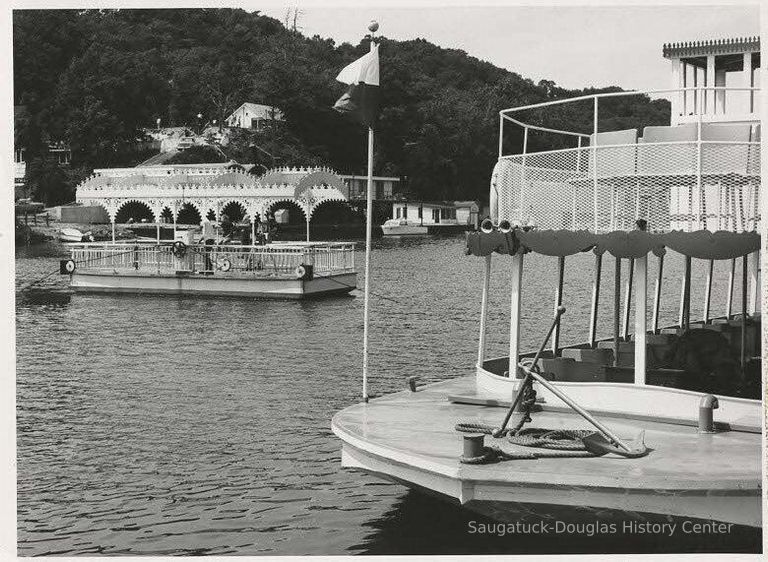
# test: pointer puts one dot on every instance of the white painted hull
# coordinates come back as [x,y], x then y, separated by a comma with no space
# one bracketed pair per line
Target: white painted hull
[404,230]
[409,437]
[218,284]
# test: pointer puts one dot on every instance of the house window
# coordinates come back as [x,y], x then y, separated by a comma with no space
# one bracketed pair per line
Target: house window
[405,212]
[397,213]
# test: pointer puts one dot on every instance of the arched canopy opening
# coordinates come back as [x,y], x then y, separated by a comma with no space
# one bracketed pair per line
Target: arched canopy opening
[188,214]
[234,210]
[294,215]
[334,212]
[166,216]
[134,211]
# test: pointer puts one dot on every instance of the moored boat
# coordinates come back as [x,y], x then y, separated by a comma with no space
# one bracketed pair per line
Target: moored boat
[70,235]
[664,421]
[292,270]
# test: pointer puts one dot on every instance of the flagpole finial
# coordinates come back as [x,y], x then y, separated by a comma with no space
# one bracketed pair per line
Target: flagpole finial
[373,27]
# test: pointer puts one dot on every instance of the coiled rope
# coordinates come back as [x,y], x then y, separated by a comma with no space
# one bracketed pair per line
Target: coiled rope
[557,443]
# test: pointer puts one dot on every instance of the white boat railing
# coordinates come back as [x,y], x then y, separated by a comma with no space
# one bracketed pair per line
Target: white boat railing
[700,175]
[270,260]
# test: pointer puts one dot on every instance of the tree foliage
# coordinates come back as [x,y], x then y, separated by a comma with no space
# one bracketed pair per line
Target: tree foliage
[96,78]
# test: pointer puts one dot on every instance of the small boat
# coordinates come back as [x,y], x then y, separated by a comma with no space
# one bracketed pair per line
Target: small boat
[290,270]
[655,421]
[70,235]
[401,227]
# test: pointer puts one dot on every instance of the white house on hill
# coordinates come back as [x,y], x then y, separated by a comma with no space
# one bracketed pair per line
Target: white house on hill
[253,116]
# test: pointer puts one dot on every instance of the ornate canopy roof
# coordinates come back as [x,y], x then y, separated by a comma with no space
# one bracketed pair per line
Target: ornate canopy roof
[711,47]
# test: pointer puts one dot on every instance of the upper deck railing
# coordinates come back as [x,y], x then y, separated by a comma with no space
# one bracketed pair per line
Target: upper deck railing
[693,176]
[273,260]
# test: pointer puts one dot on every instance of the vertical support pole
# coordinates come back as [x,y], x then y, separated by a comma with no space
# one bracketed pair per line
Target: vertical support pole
[558,303]
[710,82]
[113,231]
[685,295]
[514,313]
[616,311]
[708,291]
[744,289]
[501,134]
[484,311]
[523,187]
[595,300]
[594,163]
[657,295]
[628,300]
[307,221]
[685,87]
[675,95]
[578,170]
[754,282]
[729,300]
[175,214]
[253,228]
[157,226]
[700,221]
[368,231]
[641,295]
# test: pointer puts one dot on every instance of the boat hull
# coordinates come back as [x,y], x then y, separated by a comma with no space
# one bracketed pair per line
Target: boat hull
[687,474]
[404,230]
[218,284]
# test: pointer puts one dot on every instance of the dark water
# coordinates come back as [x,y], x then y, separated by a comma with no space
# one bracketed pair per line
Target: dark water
[171,425]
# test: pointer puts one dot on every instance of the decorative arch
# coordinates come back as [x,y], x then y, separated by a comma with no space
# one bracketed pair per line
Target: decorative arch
[134,209]
[234,209]
[319,178]
[294,217]
[332,211]
[189,213]
[233,178]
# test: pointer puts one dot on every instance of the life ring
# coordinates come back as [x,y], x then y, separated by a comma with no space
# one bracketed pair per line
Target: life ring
[70,266]
[301,272]
[179,249]
[225,264]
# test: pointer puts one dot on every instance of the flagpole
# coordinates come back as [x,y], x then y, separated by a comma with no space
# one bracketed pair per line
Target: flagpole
[368,231]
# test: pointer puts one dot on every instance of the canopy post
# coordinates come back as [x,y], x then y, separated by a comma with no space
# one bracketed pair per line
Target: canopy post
[113,231]
[594,162]
[484,311]
[729,300]
[744,284]
[657,295]
[628,300]
[641,296]
[558,304]
[595,300]
[514,320]
[754,282]
[708,291]
[685,295]
[616,311]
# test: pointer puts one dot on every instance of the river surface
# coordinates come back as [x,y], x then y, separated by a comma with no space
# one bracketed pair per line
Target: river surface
[172,425]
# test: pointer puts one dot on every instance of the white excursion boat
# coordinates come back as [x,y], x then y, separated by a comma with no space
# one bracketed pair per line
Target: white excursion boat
[611,426]
[401,227]
[291,270]
[70,235]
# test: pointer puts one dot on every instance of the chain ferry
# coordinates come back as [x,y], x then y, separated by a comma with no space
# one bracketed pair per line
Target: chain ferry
[291,270]
[660,421]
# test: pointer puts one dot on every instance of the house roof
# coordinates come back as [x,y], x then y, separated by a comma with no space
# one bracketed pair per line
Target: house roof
[258,108]
[711,47]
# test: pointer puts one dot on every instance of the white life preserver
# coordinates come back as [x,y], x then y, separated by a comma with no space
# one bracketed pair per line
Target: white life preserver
[225,264]
[301,272]
[70,266]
